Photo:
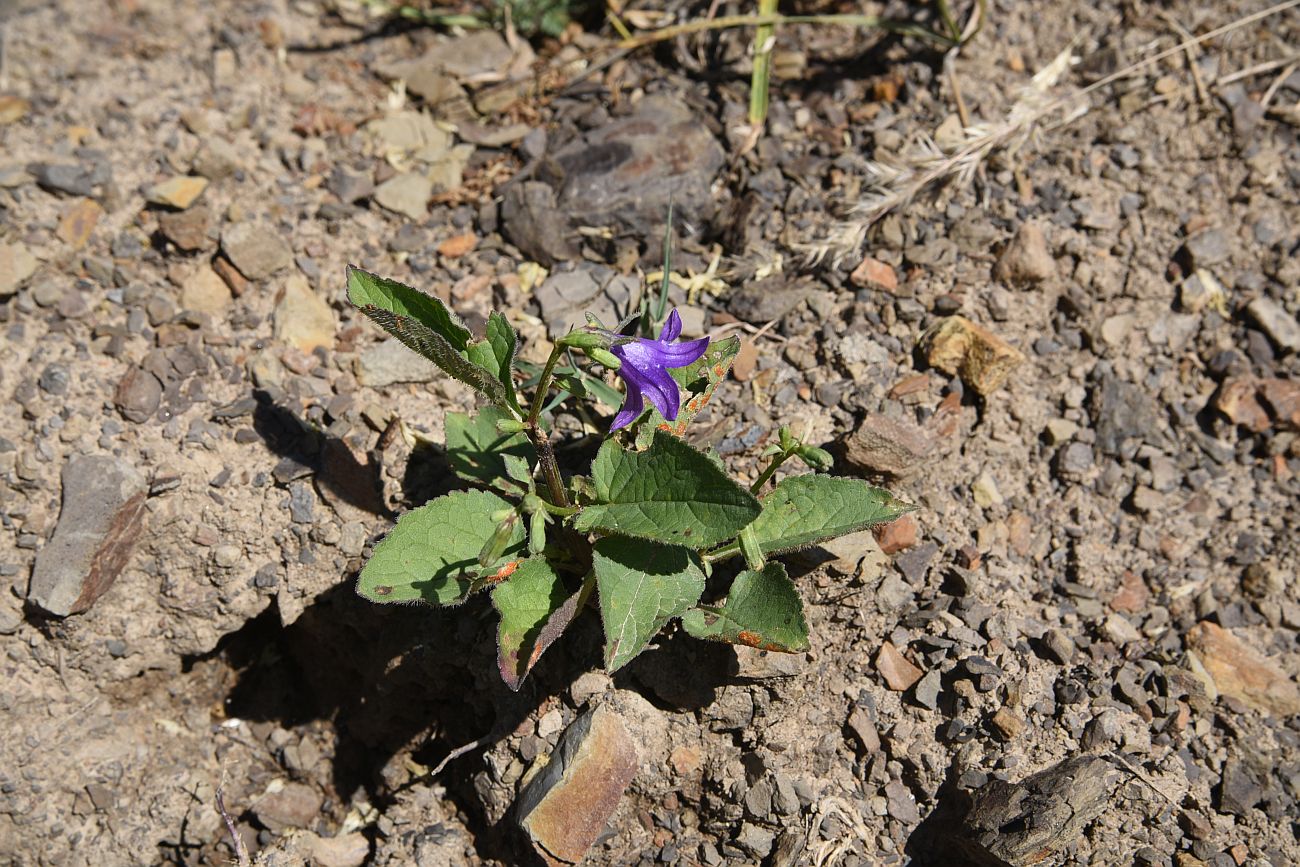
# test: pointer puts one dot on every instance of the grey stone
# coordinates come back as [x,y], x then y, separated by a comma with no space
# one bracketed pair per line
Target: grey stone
[1059,646]
[566,297]
[350,186]
[901,803]
[54,379]
[70,179]
[406,194]
[389,362]
[292,805]
[915,562]
[257,250]
[138,394]
[531,222]
[1124,416]
[101,519]
[927,690]
[1243,786]
[756,840]
[302,502]
[1209,247]
[765,300]
[1280,325]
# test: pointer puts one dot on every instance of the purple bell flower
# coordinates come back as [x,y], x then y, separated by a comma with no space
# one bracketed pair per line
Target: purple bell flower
[645,370]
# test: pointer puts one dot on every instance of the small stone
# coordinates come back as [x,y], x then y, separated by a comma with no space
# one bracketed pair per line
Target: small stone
[928,689]
[288,805]
[1243,787]
[756,840]
[303,319]
[343,850]
[1133,595]
[1060,430]
[302,502]
[1147,500]
[1006,724]
[178,192]
[350,186]
[874,274]
[982,359]
[458,245]
[902,803]
[1201,290]
[54,379]
[528,214]
[78,222]
[69,179]
[1059,646]
[101,519]
[588,685]
[914,563]
[565,807]
[13,108]
[16,265]
[1240,672]
[1027,258]
[188,230]
[217,159]
[864,729]
[985,491]
[1116,329]
[138,395]
[406,194]
[897,535]
[389,362]
[1209,247]
[1279,325]
[886,446]
[237,282]
[257,250]
[1282,396]
[1120,631]
[898,672]
[205,292]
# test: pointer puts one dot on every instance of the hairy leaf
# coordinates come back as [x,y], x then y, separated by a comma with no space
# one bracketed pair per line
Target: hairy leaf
[670,493]
[762,610]
[804,510]
[432,553]
[642,586]
[478,451]
[535,609]
[496,352]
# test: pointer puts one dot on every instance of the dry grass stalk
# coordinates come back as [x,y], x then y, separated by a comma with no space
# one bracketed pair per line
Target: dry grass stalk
[895,184]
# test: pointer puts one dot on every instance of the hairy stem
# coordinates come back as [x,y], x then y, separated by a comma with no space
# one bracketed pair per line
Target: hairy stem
[777,460]
[546,454]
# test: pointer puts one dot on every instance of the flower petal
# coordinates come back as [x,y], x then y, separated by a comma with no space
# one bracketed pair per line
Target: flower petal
[661,388]
[672,328]
[681,354]
[633,406]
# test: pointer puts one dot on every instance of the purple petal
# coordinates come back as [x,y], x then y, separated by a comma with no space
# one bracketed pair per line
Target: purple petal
[672,328]
[661,388]
[633,406]
[681,354]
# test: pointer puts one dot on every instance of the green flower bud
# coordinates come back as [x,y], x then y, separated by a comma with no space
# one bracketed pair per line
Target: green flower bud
[605,357]
[584,340]
[496,544]
[537,532]
[815,458]
[511,426]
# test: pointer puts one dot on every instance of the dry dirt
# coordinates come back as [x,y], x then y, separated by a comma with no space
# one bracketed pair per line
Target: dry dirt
[1104,561]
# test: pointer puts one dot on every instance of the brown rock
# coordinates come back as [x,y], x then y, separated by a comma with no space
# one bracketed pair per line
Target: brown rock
[205,292]
[458,245]
[237,282]
[1132,595]
[257,250]
[874,274]
[981,358]
[898,535]
[291,805]
[1240,672]
[886,446]
[78,221]
[565,807]
[138,394]
[188,230]
[1006,724]
[746,361]
[1236,400]
[1026,259]
[13,108]
[302,318]
[101,519]
[1283,399]
[864,730]
[899,674]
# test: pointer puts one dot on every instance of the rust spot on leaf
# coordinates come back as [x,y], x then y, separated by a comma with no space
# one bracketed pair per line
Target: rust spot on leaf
[752,639]
[718,371]
[504,572]
[383,590]
[665,426]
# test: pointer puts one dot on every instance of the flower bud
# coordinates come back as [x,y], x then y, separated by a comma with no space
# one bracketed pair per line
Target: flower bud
[511,426]
[495,546]
[584,340]
[605,357]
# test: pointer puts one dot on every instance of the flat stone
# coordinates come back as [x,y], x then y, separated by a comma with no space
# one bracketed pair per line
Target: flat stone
[78,222]
[68,178]
[410,132]
[886,446]
[217,158]
[1240,672]
[205,292]
[256,249]
[528,215]
[1243,786]
[901,803]
[303,319]
[138,394]
[765,300]
[1122,412]
[1201,290]
[898,672]
[985,491]
[1282,397]
[101,519]
[1027,258]
[343,850]
[928,689]
[406,194]
[179,192]
[874,274]
[897,535]
[566,297]
[350,186]
[13,108]
[188,230]
[16,265]
[564,809]
[1209,247]
[389,362]
[983,360]
[1278,324]
[476,55]
[864,729]
[288,805]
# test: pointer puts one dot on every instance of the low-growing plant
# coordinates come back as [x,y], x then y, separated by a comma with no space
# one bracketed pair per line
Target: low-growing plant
[637,534]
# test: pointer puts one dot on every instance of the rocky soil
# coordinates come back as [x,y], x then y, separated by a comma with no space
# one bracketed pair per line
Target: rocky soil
[1083,365]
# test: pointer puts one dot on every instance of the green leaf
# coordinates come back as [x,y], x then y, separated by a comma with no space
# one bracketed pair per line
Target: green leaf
[762,610]
[496,352]
[698,380]
[426,326]
[642,586]
[804,510]
[432,553]
[670,493]
[477,450]
[535,609]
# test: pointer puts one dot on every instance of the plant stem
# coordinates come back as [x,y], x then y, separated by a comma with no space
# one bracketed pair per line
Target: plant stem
[546,454]
[759,83]
[777,460]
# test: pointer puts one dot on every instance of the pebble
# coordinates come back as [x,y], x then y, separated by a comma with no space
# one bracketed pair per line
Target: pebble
[217,158]
[1006,724]
[302,502]
[1059,646]
[897,535]
[78,222]
[1278,324]
[881,445]
[1026,259]
[350,186]
[1201,290]
[16,265]
[928,689]
[54,379]
[102,516]
[178,192]
[1209,247]
[899,674]
[389,362]
[188,229]
[257,250]
[1238,671]
[406,194]
[288,805]
[138,395]
[902,803]
[205,292]
[985,491]
[874,274]
[983,360]
[303,319]
[528,214]
[69,179]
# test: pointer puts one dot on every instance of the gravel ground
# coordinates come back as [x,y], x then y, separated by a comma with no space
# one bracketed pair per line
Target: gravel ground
[1083,365]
